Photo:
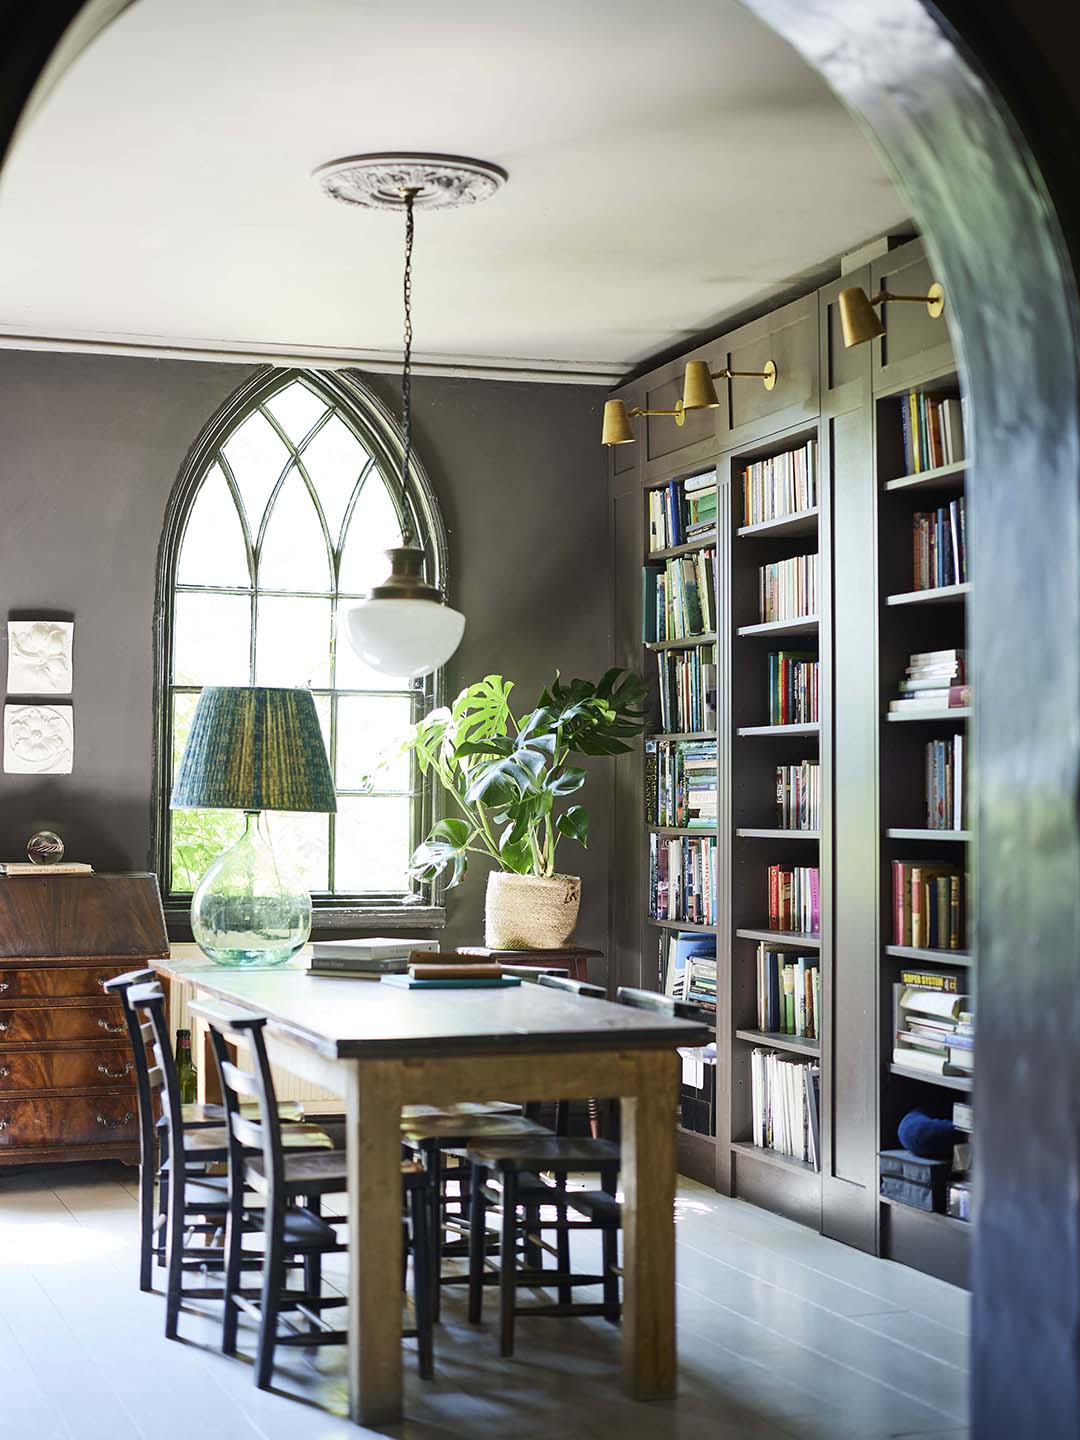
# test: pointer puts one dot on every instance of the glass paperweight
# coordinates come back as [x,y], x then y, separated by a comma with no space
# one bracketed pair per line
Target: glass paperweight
[249,909]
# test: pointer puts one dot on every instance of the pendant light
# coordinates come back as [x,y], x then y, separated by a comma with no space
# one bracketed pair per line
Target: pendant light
[404,626]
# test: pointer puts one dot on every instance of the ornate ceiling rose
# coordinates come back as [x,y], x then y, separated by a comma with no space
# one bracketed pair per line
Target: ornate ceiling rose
[380,182]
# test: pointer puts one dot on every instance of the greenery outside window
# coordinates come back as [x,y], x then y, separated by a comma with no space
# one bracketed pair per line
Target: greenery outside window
[278,522]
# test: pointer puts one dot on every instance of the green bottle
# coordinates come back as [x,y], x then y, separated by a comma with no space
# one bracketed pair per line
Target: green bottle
[185,1068]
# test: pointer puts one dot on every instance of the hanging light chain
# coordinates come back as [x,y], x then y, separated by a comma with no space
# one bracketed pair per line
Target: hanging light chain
[406,371]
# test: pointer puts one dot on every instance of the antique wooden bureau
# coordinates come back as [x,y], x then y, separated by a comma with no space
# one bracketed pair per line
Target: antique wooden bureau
[66,1087]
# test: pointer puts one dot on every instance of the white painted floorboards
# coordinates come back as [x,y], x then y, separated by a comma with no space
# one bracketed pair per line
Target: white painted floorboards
[782,1334]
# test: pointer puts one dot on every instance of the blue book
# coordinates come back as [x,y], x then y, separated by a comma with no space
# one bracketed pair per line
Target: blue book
[406,982]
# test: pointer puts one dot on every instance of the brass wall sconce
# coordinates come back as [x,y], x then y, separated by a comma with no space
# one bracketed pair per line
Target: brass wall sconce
[857,318]
[617,427]
[699,393]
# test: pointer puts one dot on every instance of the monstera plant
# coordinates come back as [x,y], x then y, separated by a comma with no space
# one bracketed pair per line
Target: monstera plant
[512,782]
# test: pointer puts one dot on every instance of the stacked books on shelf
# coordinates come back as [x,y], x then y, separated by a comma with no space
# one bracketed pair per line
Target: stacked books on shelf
[787,590]
[939,546]
[682,879]
[935,1025]
[933,680]
[682,511]
[687,688]
[781,485]
[365,959]
[785,1105]
[795,899]
[958,1203]
[680,783]
[678,599]
[688,968]
[793,688]
[788,992]
[928,908]
[945,784]
[933,431]
[798,796]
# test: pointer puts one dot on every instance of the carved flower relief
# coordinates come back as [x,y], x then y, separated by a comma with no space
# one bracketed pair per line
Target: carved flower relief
[39,657]
[38,739]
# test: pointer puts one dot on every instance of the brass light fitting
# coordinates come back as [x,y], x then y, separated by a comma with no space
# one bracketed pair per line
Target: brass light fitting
[857,318]
[699,392]
[617,427]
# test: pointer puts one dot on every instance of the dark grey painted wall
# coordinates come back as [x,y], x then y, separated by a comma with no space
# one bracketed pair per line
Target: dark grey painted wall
[92,446]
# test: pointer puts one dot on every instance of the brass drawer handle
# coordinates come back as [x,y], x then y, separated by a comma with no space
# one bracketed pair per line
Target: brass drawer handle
[4,1123]
[110,1029]
[4,1025]
[5,1071]
[103,980]
[114,1074]
[125,1119]
[4,985]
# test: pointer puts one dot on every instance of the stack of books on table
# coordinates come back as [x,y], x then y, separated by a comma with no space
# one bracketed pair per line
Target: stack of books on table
[784,1097]
[366,959]
[934,680]
[935,1025]
[788,992]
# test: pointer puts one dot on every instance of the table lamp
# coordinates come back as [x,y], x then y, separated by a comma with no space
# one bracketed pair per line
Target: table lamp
[253,749]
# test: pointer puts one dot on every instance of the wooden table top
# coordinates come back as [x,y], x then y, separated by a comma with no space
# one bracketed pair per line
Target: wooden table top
[358,1019]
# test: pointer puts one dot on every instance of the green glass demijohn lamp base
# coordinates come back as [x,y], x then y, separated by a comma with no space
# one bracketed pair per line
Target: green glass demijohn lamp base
[253,749]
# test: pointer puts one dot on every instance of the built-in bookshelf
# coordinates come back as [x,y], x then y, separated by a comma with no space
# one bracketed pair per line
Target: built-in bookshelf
[926,986]
[774,624]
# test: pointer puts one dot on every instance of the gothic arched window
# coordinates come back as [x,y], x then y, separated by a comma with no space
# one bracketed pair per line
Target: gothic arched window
[279,520]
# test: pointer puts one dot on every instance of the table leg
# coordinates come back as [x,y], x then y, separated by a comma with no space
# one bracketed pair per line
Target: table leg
[648,1171]
[373,1109]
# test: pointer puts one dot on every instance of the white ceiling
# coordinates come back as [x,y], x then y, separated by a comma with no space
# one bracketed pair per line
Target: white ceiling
[669,166]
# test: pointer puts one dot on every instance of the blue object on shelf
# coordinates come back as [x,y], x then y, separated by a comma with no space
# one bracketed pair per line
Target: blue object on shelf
[928,1136]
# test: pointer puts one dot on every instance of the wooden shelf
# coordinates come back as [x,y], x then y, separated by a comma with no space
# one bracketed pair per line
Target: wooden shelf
[705,830]
[787,938]
[803,522]
[933,1215]
[931,717]
[688,642]
[748,832]
[801,625]
[683,735]
[772,1157]
[682,925]
[797,1044]
[939,595]
[960,837]
[949,1082]
[673,551]
[810,728]
[943,477]
[917,953]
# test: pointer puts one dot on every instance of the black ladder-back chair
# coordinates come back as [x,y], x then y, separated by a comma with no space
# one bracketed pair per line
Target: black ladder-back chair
[153,1130]
[292,1186]
[518,1166]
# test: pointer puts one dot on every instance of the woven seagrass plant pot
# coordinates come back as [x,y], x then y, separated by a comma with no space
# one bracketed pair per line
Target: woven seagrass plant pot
[530,912]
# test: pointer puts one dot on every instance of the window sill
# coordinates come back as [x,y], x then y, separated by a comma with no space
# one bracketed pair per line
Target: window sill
[341,917]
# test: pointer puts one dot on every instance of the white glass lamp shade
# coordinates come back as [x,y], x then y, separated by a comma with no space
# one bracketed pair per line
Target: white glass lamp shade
[405,637]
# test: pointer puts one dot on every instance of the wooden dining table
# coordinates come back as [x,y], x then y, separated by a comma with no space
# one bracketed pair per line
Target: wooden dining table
[380,1047]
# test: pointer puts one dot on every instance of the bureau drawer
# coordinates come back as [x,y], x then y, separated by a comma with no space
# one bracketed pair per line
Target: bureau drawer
[65,1069]
[57,982]
[82,1120]
[38,1024]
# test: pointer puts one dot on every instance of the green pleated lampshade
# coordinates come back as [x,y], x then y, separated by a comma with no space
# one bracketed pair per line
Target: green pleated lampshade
[254,748]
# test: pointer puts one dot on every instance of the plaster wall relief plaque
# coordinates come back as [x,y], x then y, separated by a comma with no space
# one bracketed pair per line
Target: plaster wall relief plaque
[38,739]
[39,657]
